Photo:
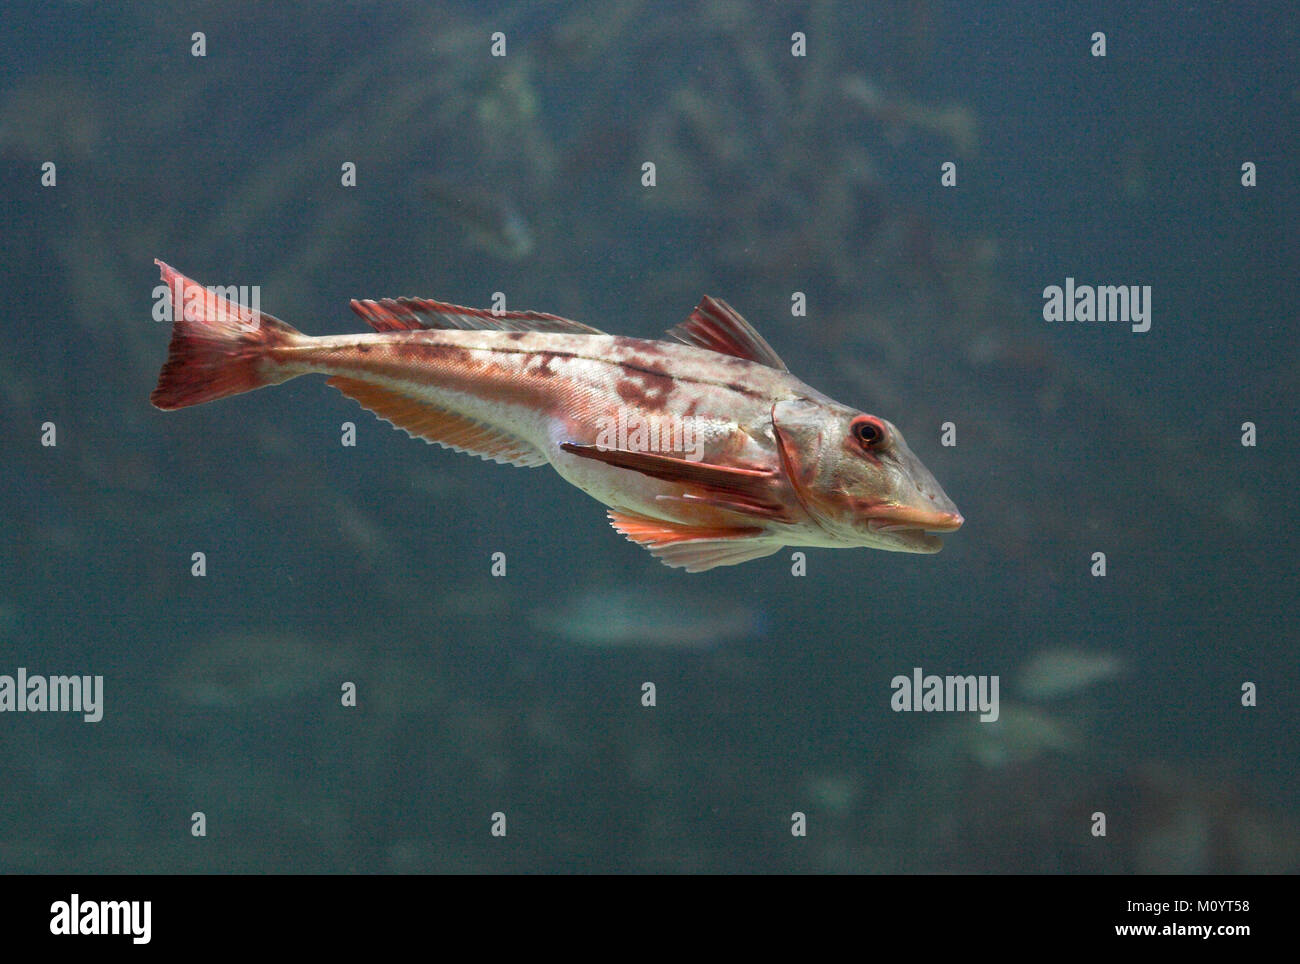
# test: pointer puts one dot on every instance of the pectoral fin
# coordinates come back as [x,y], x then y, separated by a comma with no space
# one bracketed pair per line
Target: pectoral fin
[694,548]
[747,491]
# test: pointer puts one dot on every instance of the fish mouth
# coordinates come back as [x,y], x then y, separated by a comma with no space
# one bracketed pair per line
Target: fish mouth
[912,530]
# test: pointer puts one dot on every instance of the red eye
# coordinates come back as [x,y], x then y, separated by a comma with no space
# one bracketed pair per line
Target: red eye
[869,431]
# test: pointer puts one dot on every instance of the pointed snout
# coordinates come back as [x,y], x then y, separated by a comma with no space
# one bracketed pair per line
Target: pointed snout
[919,500]
[892,517]
[949,521]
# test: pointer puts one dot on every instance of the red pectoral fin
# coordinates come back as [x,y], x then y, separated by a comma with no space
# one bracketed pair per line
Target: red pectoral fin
[694,548]
[748,491]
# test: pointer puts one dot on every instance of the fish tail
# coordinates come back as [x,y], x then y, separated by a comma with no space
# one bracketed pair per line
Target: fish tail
[219,347]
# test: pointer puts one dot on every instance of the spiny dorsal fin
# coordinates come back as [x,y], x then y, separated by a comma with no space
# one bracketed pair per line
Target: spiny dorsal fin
[717,326]
[410,314]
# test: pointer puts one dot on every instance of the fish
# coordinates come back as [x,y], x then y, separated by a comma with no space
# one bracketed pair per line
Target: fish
[1060,671]
[625,617]
[1021,734]
[703,446]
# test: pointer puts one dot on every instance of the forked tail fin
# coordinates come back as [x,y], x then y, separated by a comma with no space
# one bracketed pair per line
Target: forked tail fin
[219,347]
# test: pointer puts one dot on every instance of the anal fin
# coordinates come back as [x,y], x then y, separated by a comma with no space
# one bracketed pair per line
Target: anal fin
[449,429]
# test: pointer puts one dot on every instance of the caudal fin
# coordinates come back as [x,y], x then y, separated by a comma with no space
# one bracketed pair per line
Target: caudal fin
[219,347]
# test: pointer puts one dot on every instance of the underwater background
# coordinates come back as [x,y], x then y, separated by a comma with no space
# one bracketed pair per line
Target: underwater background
[523,695]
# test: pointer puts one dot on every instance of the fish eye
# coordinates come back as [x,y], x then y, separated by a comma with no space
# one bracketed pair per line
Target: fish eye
[869,431]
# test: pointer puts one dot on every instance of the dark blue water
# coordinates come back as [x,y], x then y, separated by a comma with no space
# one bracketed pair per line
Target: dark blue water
[371,564]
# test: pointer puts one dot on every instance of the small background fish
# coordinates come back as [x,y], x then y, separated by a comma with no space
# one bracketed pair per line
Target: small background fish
[622,617]
[1060,671]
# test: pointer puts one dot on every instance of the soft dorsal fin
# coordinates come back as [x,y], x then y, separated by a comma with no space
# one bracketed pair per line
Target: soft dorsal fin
[411,314]
[717,326]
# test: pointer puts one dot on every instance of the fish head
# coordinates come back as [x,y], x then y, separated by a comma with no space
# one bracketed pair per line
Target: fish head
[856,476]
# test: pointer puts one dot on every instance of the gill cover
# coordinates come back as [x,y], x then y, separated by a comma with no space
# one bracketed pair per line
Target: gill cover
[798,425]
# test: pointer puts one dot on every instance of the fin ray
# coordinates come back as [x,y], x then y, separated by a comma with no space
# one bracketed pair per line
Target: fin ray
[717,326]
[218,347]
[747,491]
[411,314]
[693,548]
[440,426]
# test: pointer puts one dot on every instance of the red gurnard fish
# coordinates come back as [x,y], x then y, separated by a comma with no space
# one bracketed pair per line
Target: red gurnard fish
[706,450]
